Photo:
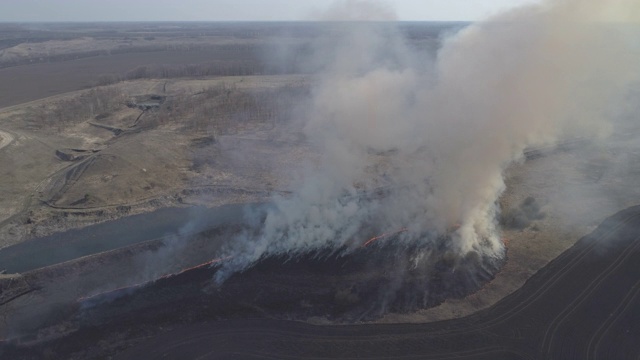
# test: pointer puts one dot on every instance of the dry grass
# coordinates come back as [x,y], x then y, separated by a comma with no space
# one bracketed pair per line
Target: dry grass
[206,135]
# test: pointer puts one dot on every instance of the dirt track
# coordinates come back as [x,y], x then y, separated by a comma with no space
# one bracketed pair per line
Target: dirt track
[5,139]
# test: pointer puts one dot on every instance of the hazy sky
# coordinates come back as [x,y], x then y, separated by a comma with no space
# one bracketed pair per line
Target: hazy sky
[232,10]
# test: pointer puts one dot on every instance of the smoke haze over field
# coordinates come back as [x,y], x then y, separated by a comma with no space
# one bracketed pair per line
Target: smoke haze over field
[236,10]
[437,135]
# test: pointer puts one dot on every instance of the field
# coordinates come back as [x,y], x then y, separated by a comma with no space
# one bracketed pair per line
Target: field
[31,82]
[130,152]
[594,283]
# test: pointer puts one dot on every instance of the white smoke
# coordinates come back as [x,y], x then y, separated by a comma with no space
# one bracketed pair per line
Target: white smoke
[356,10]
[437,136]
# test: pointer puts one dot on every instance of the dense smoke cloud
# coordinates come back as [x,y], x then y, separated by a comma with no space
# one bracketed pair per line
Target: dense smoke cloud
[408,142]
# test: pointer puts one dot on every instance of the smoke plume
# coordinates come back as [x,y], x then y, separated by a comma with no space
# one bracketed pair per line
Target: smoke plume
[419,143]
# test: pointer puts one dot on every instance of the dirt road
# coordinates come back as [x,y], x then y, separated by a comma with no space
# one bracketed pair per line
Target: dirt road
[5,139]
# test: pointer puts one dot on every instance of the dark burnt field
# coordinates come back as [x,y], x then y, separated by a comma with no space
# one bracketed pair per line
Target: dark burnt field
[583,305]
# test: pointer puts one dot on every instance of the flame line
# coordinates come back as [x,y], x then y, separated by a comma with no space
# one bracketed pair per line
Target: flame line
[166,276]
[381,236]
[211,262]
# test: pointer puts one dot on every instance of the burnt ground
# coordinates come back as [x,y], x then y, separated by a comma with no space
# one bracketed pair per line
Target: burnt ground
[34,155]
[582,305]
[61,173]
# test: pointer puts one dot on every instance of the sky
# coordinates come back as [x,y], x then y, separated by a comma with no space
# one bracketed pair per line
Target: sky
[235,10]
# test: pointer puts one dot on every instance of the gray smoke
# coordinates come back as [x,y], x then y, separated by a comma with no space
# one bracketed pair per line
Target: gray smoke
[406,141]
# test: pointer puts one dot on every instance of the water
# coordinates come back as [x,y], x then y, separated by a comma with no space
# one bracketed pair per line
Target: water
[53,249]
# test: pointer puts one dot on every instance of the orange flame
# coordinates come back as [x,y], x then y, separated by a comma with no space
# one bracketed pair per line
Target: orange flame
[166,276]
[368,242]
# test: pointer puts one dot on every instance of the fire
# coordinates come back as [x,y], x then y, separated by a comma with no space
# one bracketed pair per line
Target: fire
[382,236]
[210,262]
[166,276]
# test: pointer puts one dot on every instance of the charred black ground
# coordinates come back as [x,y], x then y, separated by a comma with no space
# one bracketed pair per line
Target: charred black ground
[593,284]
[359,282]
[344,286]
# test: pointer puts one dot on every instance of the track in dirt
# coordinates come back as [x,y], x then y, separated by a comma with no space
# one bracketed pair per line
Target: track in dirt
[5,139]
[583,305]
